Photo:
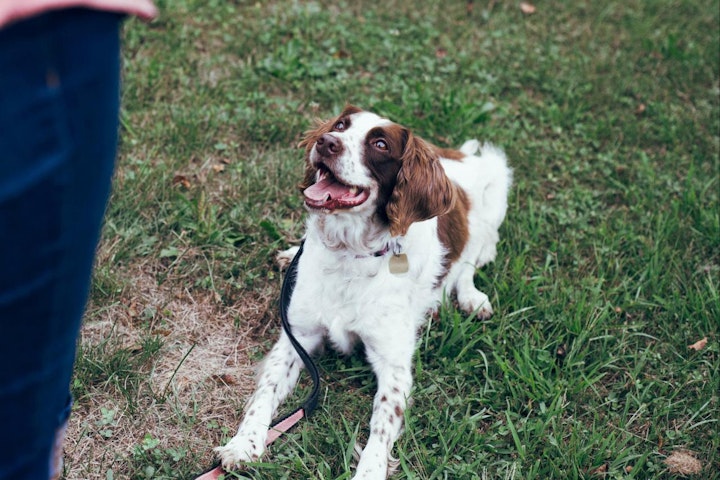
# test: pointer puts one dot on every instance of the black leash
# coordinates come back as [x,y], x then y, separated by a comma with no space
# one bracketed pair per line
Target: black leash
[283,424]
[310,403]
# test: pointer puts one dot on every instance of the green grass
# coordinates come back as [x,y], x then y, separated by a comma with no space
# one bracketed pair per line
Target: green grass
[608,267]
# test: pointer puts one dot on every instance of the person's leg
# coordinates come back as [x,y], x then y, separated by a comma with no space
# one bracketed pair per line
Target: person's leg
[59,96]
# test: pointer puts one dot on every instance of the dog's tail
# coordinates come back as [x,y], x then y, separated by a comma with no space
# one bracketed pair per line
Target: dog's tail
[470,147]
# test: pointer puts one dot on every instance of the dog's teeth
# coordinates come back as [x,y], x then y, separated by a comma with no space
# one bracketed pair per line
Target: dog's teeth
[353,190]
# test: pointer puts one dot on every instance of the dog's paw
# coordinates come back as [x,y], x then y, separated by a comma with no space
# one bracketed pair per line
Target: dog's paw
[285,257]
[373,463]
[476,302]
[239,450]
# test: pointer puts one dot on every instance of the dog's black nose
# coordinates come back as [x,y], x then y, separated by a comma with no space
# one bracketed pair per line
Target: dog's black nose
[328,145]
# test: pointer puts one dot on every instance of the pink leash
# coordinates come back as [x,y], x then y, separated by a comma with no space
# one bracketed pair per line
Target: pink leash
[273,434]
[284,424]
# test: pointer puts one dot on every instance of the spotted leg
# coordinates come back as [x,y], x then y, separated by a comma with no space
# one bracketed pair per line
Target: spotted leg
[278,376]
[392,366]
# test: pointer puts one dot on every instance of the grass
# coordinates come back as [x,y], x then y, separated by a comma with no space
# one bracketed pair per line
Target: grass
[608,267]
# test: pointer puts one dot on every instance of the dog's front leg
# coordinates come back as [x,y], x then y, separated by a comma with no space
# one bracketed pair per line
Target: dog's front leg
[278,375]
[394,377]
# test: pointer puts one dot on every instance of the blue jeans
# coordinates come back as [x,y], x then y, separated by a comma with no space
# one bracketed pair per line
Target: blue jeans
[59,97]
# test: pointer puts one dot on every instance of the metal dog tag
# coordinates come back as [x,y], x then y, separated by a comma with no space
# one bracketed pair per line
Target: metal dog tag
[399,264]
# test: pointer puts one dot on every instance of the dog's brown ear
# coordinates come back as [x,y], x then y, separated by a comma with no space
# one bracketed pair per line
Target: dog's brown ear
[309,138]
[422,190]
[319,128]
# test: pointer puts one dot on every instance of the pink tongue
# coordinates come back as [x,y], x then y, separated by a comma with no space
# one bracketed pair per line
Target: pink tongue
[325,191]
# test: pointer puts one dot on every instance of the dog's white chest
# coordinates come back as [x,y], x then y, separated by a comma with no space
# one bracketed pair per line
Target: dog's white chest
[340,302]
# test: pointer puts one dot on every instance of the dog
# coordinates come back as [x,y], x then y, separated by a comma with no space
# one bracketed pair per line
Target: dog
[393,223]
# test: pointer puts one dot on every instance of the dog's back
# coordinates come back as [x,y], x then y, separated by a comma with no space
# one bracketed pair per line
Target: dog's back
[485,178]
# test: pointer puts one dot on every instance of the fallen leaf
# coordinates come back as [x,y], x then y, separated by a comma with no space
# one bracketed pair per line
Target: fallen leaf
[527,8]
[601,470]
[699,345]
[440,53]
[181,180]
[218,168]
[683,462]
[225,379]
[132,309]
[640,109]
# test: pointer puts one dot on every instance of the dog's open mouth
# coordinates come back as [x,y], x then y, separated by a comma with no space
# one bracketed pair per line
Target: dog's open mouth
[329,193]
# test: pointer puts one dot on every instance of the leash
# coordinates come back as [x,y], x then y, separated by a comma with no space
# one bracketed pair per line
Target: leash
[285,423]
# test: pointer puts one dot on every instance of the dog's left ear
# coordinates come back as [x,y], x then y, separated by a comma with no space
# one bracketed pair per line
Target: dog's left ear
[309,138]
[422,190]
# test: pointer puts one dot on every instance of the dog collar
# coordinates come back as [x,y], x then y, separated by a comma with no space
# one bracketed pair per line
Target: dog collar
[398,263]
[393,246]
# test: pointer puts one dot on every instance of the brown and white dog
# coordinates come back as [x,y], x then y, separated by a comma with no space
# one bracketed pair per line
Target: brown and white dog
[393,222]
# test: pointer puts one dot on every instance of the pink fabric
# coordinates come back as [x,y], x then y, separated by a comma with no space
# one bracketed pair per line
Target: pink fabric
[14,10]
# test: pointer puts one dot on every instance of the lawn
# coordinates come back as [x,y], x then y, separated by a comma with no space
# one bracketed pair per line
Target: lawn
[607,272]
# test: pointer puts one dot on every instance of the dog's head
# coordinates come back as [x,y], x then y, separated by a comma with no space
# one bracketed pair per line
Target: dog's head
[362,164]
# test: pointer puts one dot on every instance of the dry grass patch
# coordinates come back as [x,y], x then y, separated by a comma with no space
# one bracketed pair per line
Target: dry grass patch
[190,391]
[683,462]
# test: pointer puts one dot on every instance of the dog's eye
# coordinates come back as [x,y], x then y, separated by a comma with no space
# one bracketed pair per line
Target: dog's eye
[340,126]
[381,145]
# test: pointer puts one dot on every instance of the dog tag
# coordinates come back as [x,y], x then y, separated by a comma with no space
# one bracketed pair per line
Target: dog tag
[399,264]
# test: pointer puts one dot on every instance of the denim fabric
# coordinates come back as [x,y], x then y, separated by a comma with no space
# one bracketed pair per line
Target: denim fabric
[59,96]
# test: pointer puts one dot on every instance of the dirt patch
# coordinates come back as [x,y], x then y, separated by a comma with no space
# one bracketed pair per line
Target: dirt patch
[195,385]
